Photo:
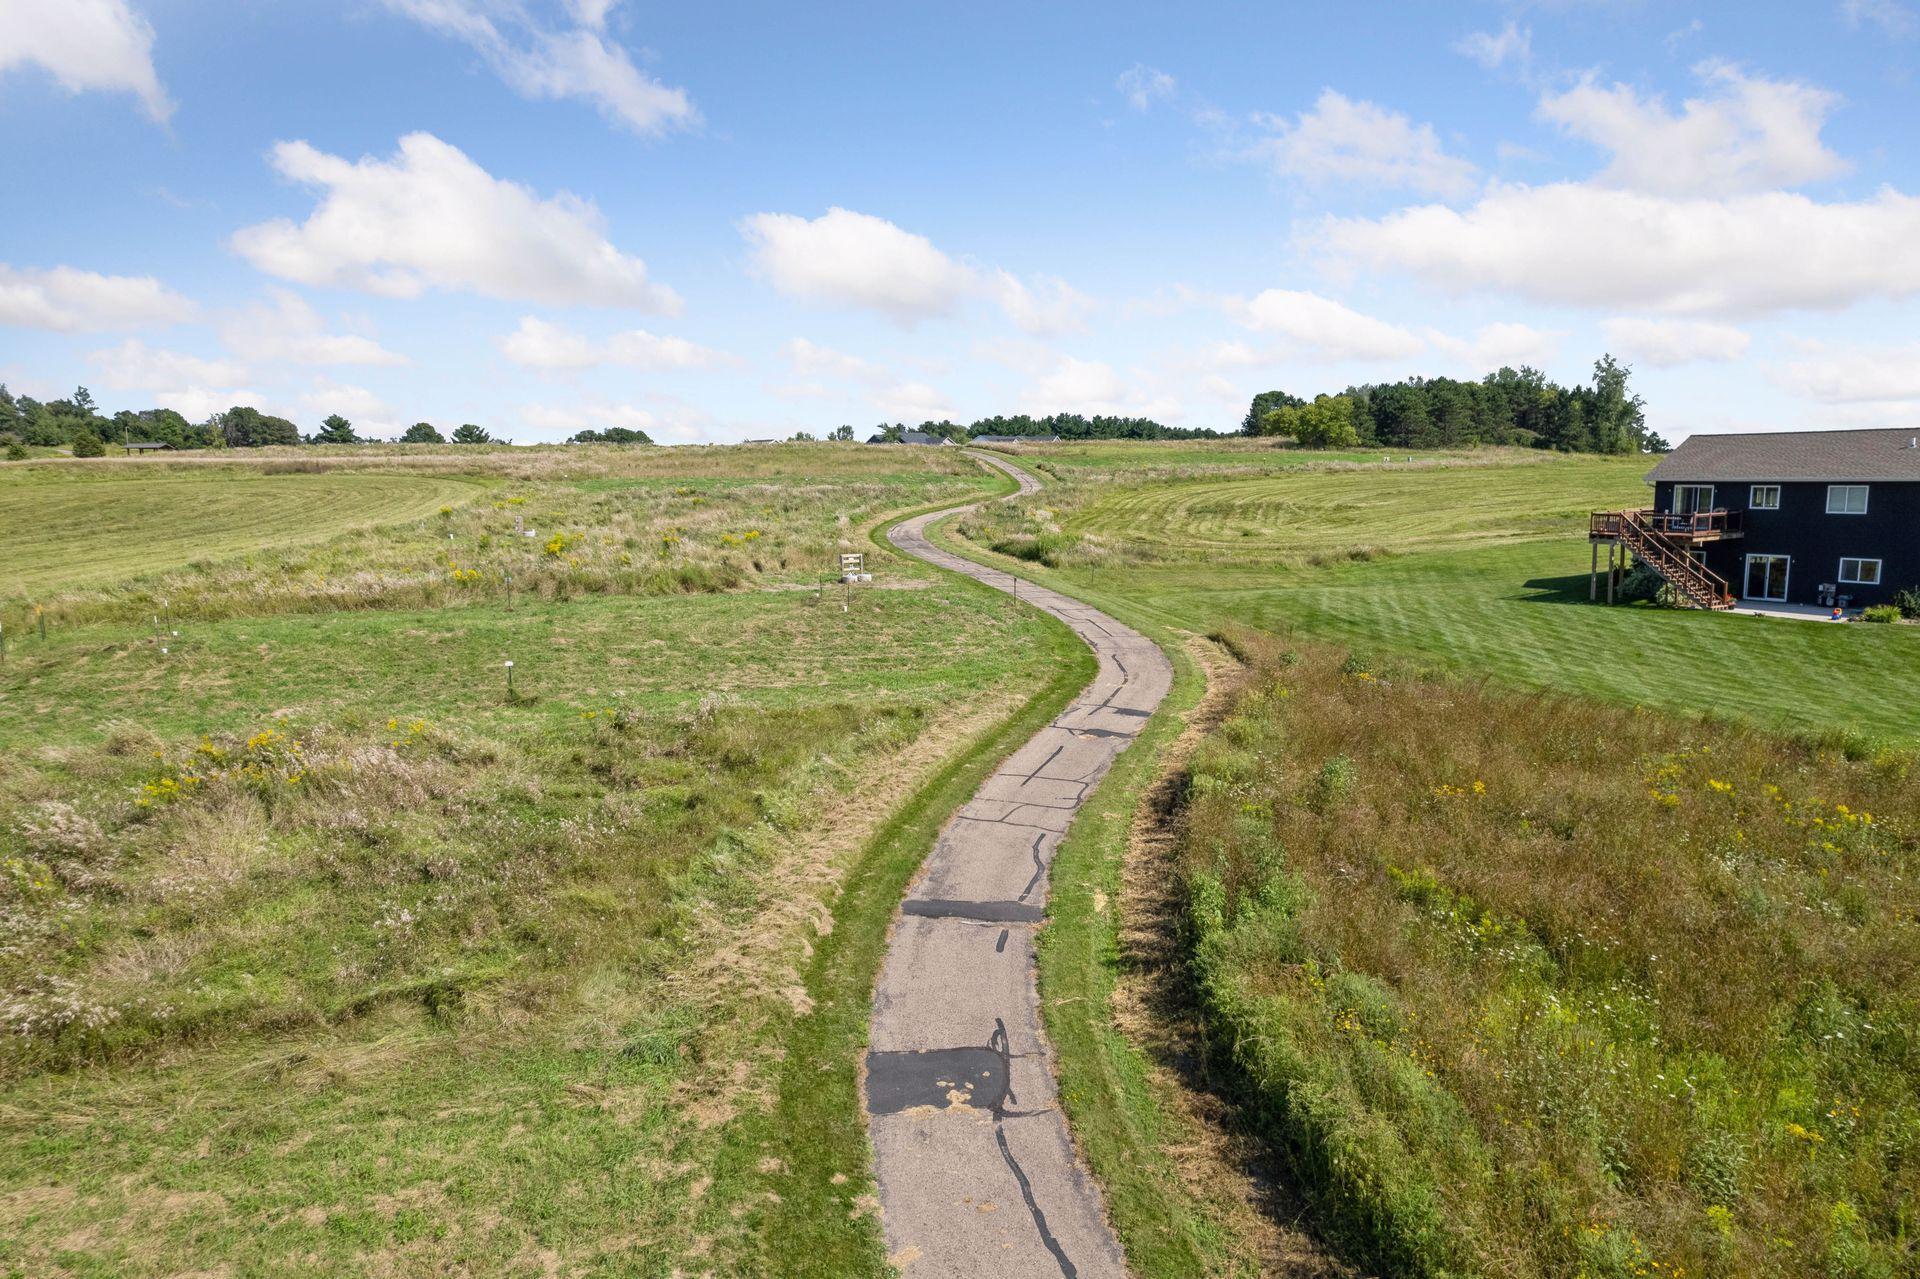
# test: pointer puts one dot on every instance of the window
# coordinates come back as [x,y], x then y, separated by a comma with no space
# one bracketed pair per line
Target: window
[1764,497]
[1846,499]
[1689,498]
[1860,572]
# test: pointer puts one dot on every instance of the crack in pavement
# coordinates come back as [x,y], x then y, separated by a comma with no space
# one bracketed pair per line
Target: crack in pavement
[933,1092]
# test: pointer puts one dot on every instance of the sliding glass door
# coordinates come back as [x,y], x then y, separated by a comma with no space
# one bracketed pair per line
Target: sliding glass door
[1767,577]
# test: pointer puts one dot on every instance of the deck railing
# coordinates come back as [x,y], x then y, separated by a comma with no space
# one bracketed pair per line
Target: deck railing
[1693,525]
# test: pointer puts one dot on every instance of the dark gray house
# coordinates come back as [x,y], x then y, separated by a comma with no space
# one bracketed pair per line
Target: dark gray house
[1798,517]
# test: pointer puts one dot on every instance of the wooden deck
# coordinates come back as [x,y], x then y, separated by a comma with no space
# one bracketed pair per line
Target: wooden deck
[1717,525]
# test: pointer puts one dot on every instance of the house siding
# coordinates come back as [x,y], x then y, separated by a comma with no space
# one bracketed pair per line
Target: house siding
[1816,541]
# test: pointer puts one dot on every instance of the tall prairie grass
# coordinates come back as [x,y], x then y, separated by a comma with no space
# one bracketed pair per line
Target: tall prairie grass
[1531,986]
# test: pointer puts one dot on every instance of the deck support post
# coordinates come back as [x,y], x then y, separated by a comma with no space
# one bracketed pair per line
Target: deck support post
[1611,548]
[1593,575]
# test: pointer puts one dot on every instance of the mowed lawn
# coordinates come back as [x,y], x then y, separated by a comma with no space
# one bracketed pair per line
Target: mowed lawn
[71,525]
[1479,568]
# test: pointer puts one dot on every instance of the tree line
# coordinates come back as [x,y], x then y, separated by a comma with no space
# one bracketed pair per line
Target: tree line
[76,422]
[1068,426]
[1513,406]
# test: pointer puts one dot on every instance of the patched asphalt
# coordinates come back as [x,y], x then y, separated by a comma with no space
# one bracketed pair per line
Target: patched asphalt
[977,1172]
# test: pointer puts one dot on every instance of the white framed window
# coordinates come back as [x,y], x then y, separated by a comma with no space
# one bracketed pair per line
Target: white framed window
[1860,572]
[1764,497]
[1846,499]
[1690,498]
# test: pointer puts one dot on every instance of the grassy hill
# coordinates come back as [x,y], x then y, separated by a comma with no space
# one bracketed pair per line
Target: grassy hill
[1475,563]
[322,954]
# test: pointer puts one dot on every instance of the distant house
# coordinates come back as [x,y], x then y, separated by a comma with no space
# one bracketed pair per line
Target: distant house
[911,437]
[1016,439]
[1794,517]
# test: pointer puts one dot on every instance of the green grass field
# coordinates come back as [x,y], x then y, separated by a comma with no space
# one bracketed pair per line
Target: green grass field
[1475,565]
[321,955]
[71,525]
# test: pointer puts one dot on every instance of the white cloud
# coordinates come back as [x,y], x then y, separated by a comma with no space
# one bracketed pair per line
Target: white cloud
[669,423]
[372,417]
[912,403]
[1499,345]
[432,218]
[1834,373]
[1890,16]
[1142,86]
[84,44]
[287,328]
[72,301]
[198,403]
[1576,244]
[1495,49]
[135,366]
[856,259]
[538,60]
[810,359]
[1322,328]
[1344,141]
[1667,343]
[1048,307]
[541,344]
[1749,134]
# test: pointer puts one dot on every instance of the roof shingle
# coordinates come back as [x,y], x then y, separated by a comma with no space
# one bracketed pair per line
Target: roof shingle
[1833,456]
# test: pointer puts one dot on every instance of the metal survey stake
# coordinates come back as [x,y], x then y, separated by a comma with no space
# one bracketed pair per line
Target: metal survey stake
[509,678]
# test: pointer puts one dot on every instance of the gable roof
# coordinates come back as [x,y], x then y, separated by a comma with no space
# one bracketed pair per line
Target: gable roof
[1879,454]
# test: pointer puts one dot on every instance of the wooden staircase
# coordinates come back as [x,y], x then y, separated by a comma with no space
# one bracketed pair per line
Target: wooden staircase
[1697,584]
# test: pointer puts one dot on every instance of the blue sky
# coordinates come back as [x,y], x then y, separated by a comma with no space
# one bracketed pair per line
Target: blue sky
[722,222]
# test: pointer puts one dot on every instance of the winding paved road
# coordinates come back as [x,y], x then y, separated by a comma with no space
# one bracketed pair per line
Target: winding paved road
[977,1173]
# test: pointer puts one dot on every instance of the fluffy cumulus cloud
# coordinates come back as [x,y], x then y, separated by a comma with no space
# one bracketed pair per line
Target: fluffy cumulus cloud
[1745,133]
[286,327]
[856,259]
[1318,327]
[1500,345]
[430,218]
[1578,244]
[1837,373]
[372,416]
[542,344]
[851,259]
[68,300]
[135,366]
[558,55]
[1346,141]
[101,45]
[1665,344]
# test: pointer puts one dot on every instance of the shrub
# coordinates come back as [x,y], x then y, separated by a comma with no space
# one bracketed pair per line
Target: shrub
[1640,583]
[1908,602]
[87,444]
[16,452]
[1882,613]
